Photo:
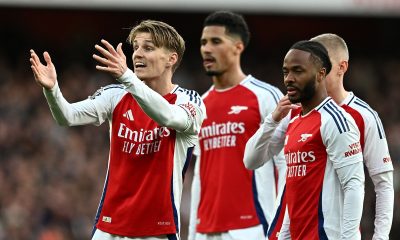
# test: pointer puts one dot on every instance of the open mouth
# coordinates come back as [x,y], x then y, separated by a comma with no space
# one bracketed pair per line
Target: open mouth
[291,91]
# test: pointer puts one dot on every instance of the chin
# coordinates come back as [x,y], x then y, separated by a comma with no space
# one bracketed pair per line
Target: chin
[212,73]
[294,100]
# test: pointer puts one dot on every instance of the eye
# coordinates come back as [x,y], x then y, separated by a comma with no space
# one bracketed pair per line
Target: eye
[216,41]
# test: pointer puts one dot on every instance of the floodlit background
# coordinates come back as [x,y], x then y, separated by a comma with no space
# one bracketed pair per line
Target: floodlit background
[51,177]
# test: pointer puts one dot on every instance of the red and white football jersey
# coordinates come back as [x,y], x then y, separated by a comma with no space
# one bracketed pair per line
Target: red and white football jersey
[147,161]
[373,142]
[231,196]
[316,146]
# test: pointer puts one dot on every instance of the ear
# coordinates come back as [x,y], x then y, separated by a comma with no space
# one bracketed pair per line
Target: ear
[172,59]
[321,75]
[239,47]
[343,66]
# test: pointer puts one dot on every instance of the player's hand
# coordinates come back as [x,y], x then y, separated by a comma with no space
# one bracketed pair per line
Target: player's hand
[113,60]
[283,108]
[45,75]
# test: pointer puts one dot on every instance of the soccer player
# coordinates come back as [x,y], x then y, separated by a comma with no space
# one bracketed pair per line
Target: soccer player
[154,125]
[228,200]
[373,140]
[325,177]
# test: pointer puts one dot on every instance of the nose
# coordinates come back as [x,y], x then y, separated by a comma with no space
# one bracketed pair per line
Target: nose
[288,78]
[205,48]
[137,53]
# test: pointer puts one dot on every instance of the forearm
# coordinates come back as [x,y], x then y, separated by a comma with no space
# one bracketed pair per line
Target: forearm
[195,199]
[153,104]
[383,183]
[263,145]
[352,181]
[67,114]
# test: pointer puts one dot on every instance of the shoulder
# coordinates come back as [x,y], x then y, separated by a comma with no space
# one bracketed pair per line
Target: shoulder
[188,95]
[109,90]
[369,115]
[333,116]
[262,88]
[363,108]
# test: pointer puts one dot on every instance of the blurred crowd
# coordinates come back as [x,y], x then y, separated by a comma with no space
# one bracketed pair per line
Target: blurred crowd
[51,177]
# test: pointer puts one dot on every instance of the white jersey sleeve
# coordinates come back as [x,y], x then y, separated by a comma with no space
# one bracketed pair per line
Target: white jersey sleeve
[186,116]
[384,191]
[378,162]
[341,138]
[267,142]
[94,110]
[194,201]
[376,150]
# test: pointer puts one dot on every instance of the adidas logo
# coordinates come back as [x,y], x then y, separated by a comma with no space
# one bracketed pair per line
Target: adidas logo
[128,115]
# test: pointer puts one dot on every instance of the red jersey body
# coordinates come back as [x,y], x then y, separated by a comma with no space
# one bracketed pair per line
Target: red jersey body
[231,196]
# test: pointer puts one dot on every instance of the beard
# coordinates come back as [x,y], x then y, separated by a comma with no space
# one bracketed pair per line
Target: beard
[213,73]
[305,94]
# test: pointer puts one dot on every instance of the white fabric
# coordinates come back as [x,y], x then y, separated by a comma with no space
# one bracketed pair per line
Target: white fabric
[253,233]
[383,183]
[100,235]
[378,163]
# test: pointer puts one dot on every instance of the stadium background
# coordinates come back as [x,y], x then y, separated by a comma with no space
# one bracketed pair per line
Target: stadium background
[51,177]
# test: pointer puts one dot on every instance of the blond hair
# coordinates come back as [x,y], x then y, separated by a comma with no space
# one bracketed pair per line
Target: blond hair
[334,44]
[164,36]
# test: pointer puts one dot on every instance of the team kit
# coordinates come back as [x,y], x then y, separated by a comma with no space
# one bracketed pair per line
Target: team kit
[267,165]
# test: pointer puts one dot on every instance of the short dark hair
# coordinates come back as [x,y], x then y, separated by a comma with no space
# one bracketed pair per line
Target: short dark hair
[234,24]
[317,50]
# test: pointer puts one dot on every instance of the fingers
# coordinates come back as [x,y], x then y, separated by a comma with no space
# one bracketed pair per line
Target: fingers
[109,47]
[101,60]
[47,58]
[109,53]
[119,50]
[35,61]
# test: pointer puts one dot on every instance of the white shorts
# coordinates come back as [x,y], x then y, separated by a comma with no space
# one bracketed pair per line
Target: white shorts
[100,235]
[251,233]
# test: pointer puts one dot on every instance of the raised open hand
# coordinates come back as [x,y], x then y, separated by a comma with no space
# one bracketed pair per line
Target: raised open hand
[45,75]
[113,60]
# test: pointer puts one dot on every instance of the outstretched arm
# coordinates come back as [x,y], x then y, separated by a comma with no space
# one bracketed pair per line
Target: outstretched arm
[45,75]
[65,113]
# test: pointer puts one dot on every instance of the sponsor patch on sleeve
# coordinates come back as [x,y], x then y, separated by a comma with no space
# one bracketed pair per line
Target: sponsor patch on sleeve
[354,149]
[188,106]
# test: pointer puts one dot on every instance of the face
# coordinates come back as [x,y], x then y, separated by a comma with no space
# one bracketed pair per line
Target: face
[149,61]
[218,50]
[300,76]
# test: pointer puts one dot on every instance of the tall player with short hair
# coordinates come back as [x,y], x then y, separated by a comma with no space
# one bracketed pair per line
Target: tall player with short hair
[373,140]
[154,126]
[325,177]
[229,201]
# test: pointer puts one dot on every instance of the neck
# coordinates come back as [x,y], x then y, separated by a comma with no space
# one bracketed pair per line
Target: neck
[339,95]
[161,86]
[228,79]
